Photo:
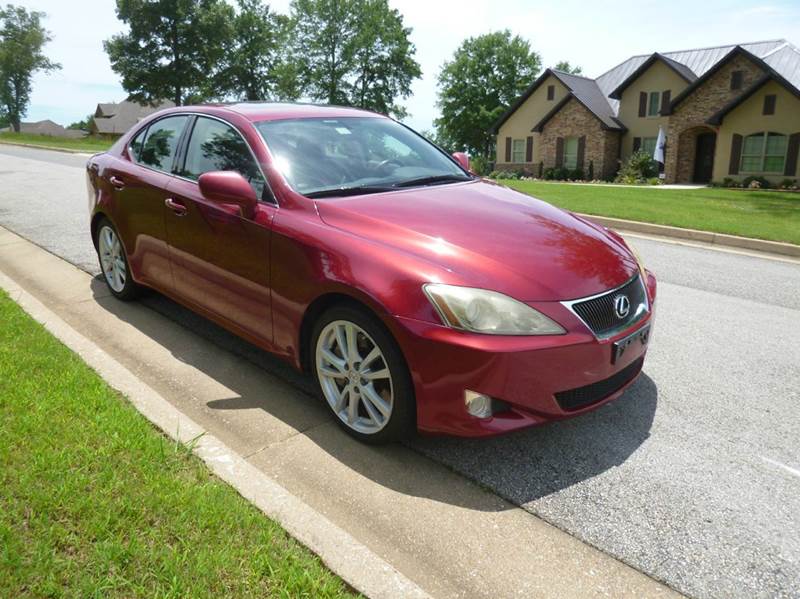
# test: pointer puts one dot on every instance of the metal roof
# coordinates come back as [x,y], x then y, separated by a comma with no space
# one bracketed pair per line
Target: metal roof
[699,60]
[590,95]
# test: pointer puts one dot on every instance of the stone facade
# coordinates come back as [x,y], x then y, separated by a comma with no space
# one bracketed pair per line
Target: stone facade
[574,120]
[689,118]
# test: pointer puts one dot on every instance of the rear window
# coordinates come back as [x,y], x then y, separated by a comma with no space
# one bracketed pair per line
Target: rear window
[161,143]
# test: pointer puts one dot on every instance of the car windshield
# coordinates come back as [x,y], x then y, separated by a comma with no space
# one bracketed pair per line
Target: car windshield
[328,157]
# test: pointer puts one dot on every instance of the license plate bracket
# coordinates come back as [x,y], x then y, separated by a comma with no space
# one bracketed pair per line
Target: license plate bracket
[618,349]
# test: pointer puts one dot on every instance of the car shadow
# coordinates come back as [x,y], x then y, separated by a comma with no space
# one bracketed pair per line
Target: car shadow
[519,467]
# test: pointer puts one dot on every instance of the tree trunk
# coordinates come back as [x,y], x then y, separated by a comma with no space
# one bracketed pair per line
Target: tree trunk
[15,124]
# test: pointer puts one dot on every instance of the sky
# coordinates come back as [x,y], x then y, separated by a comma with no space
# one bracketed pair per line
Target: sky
[593,35]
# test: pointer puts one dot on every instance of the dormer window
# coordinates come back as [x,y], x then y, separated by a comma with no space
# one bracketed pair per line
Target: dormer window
[654,104]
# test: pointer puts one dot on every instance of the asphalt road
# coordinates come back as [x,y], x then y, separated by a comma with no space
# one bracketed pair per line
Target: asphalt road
[693,476]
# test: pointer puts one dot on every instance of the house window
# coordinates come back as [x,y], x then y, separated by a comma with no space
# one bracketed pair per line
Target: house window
[763,153]
[518,151]
[551,92]
[769,104]
[654,104]
[736,79]
[648,145]
[571,152]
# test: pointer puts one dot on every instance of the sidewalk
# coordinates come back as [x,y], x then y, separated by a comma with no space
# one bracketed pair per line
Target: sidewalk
[437,529]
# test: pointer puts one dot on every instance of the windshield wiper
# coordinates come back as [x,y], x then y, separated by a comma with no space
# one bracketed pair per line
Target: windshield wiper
[433,180]
[347,191]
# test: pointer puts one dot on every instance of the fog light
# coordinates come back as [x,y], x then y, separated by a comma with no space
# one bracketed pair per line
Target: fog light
[477,404]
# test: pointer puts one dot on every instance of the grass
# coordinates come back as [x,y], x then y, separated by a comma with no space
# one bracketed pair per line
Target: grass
[95,502]
[85,144]
[770,215]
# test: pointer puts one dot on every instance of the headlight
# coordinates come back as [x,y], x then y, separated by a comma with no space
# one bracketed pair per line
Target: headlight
[484,311]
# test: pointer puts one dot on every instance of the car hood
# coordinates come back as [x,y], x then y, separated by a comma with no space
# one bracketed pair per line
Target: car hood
[485,235]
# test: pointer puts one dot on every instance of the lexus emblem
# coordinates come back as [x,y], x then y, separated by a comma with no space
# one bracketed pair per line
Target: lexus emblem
[622,305]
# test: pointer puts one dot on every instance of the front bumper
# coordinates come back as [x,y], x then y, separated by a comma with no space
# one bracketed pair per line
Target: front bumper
[524,372]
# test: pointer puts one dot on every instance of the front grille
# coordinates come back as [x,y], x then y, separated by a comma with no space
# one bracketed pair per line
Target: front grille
[575,399]
[599,314]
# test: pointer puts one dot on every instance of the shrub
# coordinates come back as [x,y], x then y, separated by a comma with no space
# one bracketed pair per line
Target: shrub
[479,164]
[789,184]
[505,175]
[638,168]
[575,174]
[654,181]
[755,182]
[728,182]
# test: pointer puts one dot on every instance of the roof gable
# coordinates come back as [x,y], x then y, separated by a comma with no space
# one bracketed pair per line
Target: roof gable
[521,100]
[716,118]
[680,69]
[610,122]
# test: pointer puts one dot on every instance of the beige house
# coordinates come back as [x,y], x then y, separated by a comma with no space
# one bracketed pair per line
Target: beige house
[47,127]
[115,118]
[728,111]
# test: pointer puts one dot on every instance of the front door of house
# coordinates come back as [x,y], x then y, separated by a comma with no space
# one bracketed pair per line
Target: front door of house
[704,157]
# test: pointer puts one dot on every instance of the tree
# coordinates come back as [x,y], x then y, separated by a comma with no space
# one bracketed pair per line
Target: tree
[82,125]
[254,61]
[171,49]
[22,38]
[487,73]
[354,52]
[565,67]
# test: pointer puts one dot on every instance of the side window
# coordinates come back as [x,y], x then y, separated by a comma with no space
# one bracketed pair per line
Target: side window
[135,145]
[215,146]
[161,143]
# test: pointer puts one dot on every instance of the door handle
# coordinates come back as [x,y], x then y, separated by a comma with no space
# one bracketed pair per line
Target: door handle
[118,183]
[178,208]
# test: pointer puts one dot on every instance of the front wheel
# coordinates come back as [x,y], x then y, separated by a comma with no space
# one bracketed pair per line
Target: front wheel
[362,376]
[114,262]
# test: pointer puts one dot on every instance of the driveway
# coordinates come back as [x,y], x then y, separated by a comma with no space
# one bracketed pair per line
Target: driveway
[692,477]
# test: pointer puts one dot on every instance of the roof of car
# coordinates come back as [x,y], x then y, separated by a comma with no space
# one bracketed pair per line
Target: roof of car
[268,111]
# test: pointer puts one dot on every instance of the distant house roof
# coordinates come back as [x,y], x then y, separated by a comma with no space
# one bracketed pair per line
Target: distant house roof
[117,118]
[48,127]
[600,96]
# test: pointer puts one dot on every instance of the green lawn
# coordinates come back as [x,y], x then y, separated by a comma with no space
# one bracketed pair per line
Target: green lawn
[769,215]
[86,144]
[95,502]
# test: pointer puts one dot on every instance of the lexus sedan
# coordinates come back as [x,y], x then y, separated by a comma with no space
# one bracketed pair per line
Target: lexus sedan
[419,296]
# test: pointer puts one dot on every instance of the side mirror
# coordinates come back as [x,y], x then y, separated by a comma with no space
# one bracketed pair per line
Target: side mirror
[229,187]
[463,160]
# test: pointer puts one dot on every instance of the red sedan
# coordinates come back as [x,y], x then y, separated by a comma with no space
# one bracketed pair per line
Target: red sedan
[418,296]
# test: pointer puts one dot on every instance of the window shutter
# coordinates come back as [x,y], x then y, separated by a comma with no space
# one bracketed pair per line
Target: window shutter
[791,155]
[665,97]
[769,104]
[642,103]
[637,143]
[559,152]
[508,149]
[581,151]
[529,149]
[736,154]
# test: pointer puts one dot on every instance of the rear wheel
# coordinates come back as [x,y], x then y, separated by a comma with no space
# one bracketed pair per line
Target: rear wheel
[362,376]
[114,262]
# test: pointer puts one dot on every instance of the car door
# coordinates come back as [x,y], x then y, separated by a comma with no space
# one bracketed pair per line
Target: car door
[220,259]
[139,185]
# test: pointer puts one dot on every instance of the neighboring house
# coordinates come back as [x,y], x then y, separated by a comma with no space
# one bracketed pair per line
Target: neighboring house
[728,111]
[114,119]
[47,127]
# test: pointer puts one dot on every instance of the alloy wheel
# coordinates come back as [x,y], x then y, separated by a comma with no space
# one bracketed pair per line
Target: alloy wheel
[112,258]
[354,377]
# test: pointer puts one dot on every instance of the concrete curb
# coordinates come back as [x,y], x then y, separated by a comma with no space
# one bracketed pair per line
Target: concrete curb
[51,148]
[746,243]
[348,558]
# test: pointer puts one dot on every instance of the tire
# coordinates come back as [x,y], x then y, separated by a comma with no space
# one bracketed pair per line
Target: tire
[373,386]
[114,262]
